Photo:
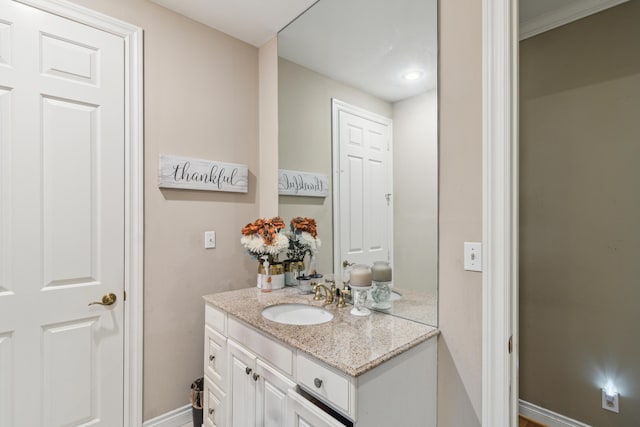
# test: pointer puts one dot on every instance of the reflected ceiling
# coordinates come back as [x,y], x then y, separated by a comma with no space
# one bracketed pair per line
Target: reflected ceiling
[372,58]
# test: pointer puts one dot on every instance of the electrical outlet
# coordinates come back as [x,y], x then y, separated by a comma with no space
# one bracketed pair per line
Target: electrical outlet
[610,401]
[209,239]
[473,256]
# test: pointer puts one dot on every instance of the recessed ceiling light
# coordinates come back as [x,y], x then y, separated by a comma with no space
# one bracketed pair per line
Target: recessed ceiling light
[412,75]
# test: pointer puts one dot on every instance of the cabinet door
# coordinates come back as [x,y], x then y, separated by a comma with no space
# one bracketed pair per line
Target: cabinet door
[302,413]
[272,391]
[214,405]
[242,386]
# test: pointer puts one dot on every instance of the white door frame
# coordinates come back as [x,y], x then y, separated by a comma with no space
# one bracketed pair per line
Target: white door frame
[500,212]
[133,309]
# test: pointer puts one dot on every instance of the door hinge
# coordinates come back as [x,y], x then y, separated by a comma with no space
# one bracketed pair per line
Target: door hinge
[510,345]
[125,296]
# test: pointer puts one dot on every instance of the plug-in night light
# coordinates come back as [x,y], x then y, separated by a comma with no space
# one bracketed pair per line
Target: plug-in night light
[610,398]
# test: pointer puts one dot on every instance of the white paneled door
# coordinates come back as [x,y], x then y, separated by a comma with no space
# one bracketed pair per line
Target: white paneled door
[61,221]
[364,203]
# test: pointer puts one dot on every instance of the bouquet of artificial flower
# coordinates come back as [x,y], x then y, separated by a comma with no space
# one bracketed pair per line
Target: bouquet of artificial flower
[263,238]
[303,238]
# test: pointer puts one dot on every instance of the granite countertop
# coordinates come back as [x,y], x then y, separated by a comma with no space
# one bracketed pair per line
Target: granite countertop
[414,305]
[353,345]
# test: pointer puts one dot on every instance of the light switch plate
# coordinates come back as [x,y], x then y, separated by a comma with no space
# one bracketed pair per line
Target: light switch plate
[473,256]
[209,239]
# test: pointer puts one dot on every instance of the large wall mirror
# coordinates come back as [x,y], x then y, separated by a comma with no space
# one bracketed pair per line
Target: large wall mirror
[358,99]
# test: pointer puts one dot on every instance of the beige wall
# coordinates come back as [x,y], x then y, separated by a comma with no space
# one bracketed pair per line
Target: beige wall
[201,100]
[415,192]
[460,217]
[268,98]
[304,104]
[580,206]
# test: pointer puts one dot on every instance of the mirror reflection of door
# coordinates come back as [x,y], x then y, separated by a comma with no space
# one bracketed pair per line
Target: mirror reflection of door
[363,185]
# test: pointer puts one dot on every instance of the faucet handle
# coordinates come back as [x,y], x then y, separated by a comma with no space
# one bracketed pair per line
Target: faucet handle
[343,293]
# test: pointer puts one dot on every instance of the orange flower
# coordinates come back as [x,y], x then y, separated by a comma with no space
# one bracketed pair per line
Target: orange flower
[266,228]
[305,224]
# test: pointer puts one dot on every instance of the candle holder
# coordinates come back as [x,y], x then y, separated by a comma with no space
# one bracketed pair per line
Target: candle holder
[381,295]
[359,300]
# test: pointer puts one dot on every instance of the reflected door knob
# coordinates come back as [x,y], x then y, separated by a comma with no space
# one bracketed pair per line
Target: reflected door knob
[107,299]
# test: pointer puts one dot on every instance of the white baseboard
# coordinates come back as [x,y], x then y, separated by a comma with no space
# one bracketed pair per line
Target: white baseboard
[546,417]
[177,418]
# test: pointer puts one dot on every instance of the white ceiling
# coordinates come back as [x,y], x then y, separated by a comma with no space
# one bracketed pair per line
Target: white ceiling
[538,16]
[368,44]
[531,9]
[252,21]
[364,43]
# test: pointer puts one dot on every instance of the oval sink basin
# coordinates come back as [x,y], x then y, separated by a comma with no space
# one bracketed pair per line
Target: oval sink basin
[296,314]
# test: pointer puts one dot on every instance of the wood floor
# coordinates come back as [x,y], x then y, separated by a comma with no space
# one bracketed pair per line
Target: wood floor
[525,422]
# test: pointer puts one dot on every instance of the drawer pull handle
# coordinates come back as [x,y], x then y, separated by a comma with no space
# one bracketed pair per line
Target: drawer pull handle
[248,370]
[211,411]
[211,357]
[317,382]
[255,377]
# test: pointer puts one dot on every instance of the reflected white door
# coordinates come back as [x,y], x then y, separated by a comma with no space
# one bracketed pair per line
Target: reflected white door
[364,174]
[61,221]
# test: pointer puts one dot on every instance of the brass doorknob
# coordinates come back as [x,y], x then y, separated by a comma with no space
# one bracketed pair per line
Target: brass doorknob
[107,299]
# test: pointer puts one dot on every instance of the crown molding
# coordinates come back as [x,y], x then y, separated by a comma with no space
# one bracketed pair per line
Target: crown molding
[565,15]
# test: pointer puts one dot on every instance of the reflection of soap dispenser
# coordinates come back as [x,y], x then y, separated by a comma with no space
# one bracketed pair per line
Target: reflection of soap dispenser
[266,277]
[313,266]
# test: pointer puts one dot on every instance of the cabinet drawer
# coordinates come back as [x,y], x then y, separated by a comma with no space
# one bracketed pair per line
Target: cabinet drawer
[215,356]
[215,318]
[277,354]
[214,405]
[331,386]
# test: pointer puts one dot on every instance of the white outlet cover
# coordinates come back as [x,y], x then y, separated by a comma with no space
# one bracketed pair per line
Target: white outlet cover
[611,402]
[473,256]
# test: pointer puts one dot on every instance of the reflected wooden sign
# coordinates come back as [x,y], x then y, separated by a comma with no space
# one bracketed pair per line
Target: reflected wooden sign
[297,183]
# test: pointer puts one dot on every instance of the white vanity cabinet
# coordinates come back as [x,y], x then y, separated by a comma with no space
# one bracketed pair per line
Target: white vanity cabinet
[252,379]
[242,389]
